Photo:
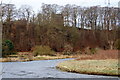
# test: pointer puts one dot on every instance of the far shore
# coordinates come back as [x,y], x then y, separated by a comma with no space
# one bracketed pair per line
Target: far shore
[42,57]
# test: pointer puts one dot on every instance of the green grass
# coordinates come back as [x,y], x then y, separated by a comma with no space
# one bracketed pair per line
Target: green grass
[103,67]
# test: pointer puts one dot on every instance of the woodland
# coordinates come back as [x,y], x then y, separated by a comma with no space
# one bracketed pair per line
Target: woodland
[60,27]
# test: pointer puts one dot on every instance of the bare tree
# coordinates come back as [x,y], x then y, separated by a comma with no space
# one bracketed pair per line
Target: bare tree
[66,13]
[8,15]
[74,15]
[25,12]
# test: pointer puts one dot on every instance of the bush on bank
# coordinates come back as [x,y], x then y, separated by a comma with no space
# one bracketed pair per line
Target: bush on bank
[7,48]
[43,50]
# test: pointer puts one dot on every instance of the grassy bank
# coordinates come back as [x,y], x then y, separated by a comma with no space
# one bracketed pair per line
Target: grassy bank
[52,57]
[104,62]
[27,58]
[102,67]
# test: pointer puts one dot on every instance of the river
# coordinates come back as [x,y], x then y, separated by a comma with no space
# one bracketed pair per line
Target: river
[40,69]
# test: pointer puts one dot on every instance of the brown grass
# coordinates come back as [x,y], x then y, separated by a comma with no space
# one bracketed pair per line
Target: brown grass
[25,57]
[100,55]
[97,67]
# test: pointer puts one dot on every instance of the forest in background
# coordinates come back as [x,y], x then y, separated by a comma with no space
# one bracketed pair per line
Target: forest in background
[60,26]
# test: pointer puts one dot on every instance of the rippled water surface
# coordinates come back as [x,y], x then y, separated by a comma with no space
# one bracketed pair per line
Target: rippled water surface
[39,69]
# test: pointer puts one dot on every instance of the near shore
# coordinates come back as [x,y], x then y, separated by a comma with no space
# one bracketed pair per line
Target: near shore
[103,63]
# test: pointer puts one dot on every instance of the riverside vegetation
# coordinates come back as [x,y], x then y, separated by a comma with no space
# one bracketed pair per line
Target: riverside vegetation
[38,53]
[103,63]
[68,31]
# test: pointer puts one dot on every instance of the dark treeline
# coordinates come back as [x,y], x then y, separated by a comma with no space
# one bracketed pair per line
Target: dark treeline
[57,26]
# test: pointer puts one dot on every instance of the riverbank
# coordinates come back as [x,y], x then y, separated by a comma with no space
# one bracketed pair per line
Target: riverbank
[40,69]
[97,67]
[103,63]
[44,57]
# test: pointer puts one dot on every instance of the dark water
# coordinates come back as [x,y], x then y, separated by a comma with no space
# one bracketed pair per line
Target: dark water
[39,69]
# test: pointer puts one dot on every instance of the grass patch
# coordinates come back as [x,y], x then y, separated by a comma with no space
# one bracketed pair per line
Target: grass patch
[44,57]
[23,58]
[102,67]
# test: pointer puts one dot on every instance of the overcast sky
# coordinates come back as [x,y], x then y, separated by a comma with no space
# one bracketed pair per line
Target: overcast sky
[36,4]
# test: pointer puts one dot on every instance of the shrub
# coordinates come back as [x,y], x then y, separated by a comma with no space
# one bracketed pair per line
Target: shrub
[93,50]
[7,48]
[89,50]
[68,49]
[79,52]
[43,50]
[117,44]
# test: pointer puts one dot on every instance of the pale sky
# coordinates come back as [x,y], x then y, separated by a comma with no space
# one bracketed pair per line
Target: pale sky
[36,4]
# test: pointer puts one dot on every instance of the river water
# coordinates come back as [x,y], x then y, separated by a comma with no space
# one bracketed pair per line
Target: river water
[39,69]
